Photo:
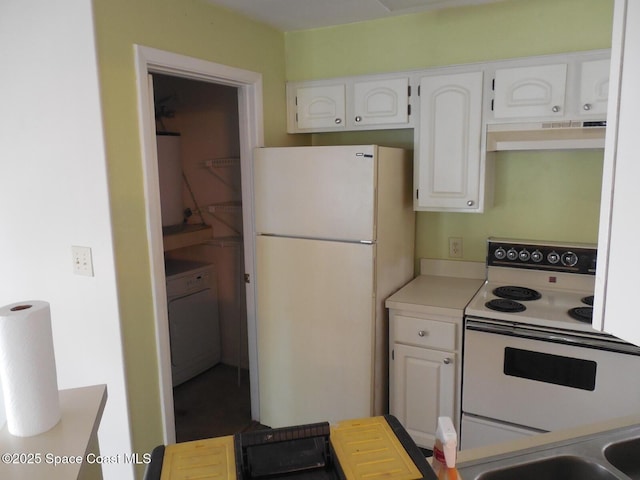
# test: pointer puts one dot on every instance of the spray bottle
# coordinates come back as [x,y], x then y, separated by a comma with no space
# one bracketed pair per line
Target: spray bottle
[445,450]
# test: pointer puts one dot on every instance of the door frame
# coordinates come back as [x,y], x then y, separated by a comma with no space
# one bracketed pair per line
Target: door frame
[249,84]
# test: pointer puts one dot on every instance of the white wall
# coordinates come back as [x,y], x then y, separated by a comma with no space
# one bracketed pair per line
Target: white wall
[53,194]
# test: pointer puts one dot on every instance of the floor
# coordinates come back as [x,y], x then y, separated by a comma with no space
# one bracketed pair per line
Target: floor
[213,404]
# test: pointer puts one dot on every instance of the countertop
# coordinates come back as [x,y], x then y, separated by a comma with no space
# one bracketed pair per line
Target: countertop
[444,287]
[75,435]
[514,446]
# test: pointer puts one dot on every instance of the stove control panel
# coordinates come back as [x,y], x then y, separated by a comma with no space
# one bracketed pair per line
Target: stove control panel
[554,257]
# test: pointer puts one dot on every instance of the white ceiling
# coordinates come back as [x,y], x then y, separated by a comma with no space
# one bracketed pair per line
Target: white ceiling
[287,15]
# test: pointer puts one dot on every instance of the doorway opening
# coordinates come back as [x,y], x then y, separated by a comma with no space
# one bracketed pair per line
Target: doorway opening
[214,113]
[198,145]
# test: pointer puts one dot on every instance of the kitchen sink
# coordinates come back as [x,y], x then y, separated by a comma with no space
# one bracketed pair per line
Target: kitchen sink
[609,455]
[561,467]
[625,456]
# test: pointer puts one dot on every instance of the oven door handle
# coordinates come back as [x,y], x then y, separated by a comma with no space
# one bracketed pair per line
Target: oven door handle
[553,337]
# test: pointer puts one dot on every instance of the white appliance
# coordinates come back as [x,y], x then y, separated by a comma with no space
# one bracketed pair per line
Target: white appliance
[335,237]
[194,325]
[532,363]
[170,179]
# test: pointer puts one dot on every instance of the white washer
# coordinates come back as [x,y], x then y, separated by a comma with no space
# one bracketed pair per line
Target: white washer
[194,324]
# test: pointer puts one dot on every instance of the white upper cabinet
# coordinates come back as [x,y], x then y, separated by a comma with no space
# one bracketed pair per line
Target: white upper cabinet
[569,87]
[447,168]
[463,114]
[594,87]
[530,92]
[372,102]
[379,102]
[320,107]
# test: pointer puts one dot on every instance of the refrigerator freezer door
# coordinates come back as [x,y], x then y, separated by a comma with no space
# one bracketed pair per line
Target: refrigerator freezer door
[316,192]
[315,330]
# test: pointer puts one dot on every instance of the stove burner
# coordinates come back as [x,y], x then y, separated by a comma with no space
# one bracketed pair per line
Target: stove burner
[505,305]
[588,300]
[511,292]
[582,314]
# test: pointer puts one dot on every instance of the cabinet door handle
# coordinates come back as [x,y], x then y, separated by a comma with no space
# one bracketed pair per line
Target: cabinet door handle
[586,106]
[447,361]
[422,333]
[358,118]
[470,203]
[338,121]
[555,109]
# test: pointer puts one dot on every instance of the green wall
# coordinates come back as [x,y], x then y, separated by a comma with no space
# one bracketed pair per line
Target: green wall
[538,195]
[188,27]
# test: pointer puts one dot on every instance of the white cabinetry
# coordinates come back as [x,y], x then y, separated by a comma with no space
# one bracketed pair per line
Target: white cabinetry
[320,107]
[559,87]
[618,262]
[537,91]
[425,338]
[461,113]
[381,102]
[594,87]
[353,103]
[448,169]
[422,374]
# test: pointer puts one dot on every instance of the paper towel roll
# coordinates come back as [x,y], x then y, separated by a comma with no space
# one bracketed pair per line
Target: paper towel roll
[28,368]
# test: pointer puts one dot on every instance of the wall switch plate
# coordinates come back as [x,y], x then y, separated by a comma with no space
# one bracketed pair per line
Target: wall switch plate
[455,247]
[82,263]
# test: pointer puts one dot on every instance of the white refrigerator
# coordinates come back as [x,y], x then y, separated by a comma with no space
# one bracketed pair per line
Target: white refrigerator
[335,237]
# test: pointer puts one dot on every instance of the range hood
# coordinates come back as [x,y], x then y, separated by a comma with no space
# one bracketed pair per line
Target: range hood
[549,135]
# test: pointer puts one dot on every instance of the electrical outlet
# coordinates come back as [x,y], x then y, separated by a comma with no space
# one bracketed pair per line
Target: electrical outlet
[455,247]
[82,263]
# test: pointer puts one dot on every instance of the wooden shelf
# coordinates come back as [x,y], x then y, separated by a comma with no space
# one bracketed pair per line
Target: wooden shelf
[189,235]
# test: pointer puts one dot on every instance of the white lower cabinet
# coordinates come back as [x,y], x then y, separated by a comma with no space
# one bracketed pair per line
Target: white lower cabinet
[423,372]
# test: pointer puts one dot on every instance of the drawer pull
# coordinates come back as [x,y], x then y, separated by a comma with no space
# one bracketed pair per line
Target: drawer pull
[422,333]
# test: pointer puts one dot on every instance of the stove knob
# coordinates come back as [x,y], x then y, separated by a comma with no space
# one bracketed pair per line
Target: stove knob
[512,254]
[500,253]
[524,255]
[553,257]
[569,259]
[537,256]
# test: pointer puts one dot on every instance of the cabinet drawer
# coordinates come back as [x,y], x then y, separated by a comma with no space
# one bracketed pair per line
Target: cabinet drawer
[424,332]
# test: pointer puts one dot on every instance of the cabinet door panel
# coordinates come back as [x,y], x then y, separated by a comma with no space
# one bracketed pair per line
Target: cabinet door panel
[423,388]
[619,227]
[530,91]
[449,142]
[594,87]
[321,107]
[379,102]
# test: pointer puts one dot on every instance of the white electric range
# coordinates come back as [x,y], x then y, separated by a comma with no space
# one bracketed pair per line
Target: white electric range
[531,360]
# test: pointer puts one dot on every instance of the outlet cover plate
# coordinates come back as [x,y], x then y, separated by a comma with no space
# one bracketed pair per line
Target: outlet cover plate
[82,262]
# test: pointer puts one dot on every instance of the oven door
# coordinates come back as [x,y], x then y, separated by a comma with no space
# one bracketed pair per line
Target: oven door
[545,380]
